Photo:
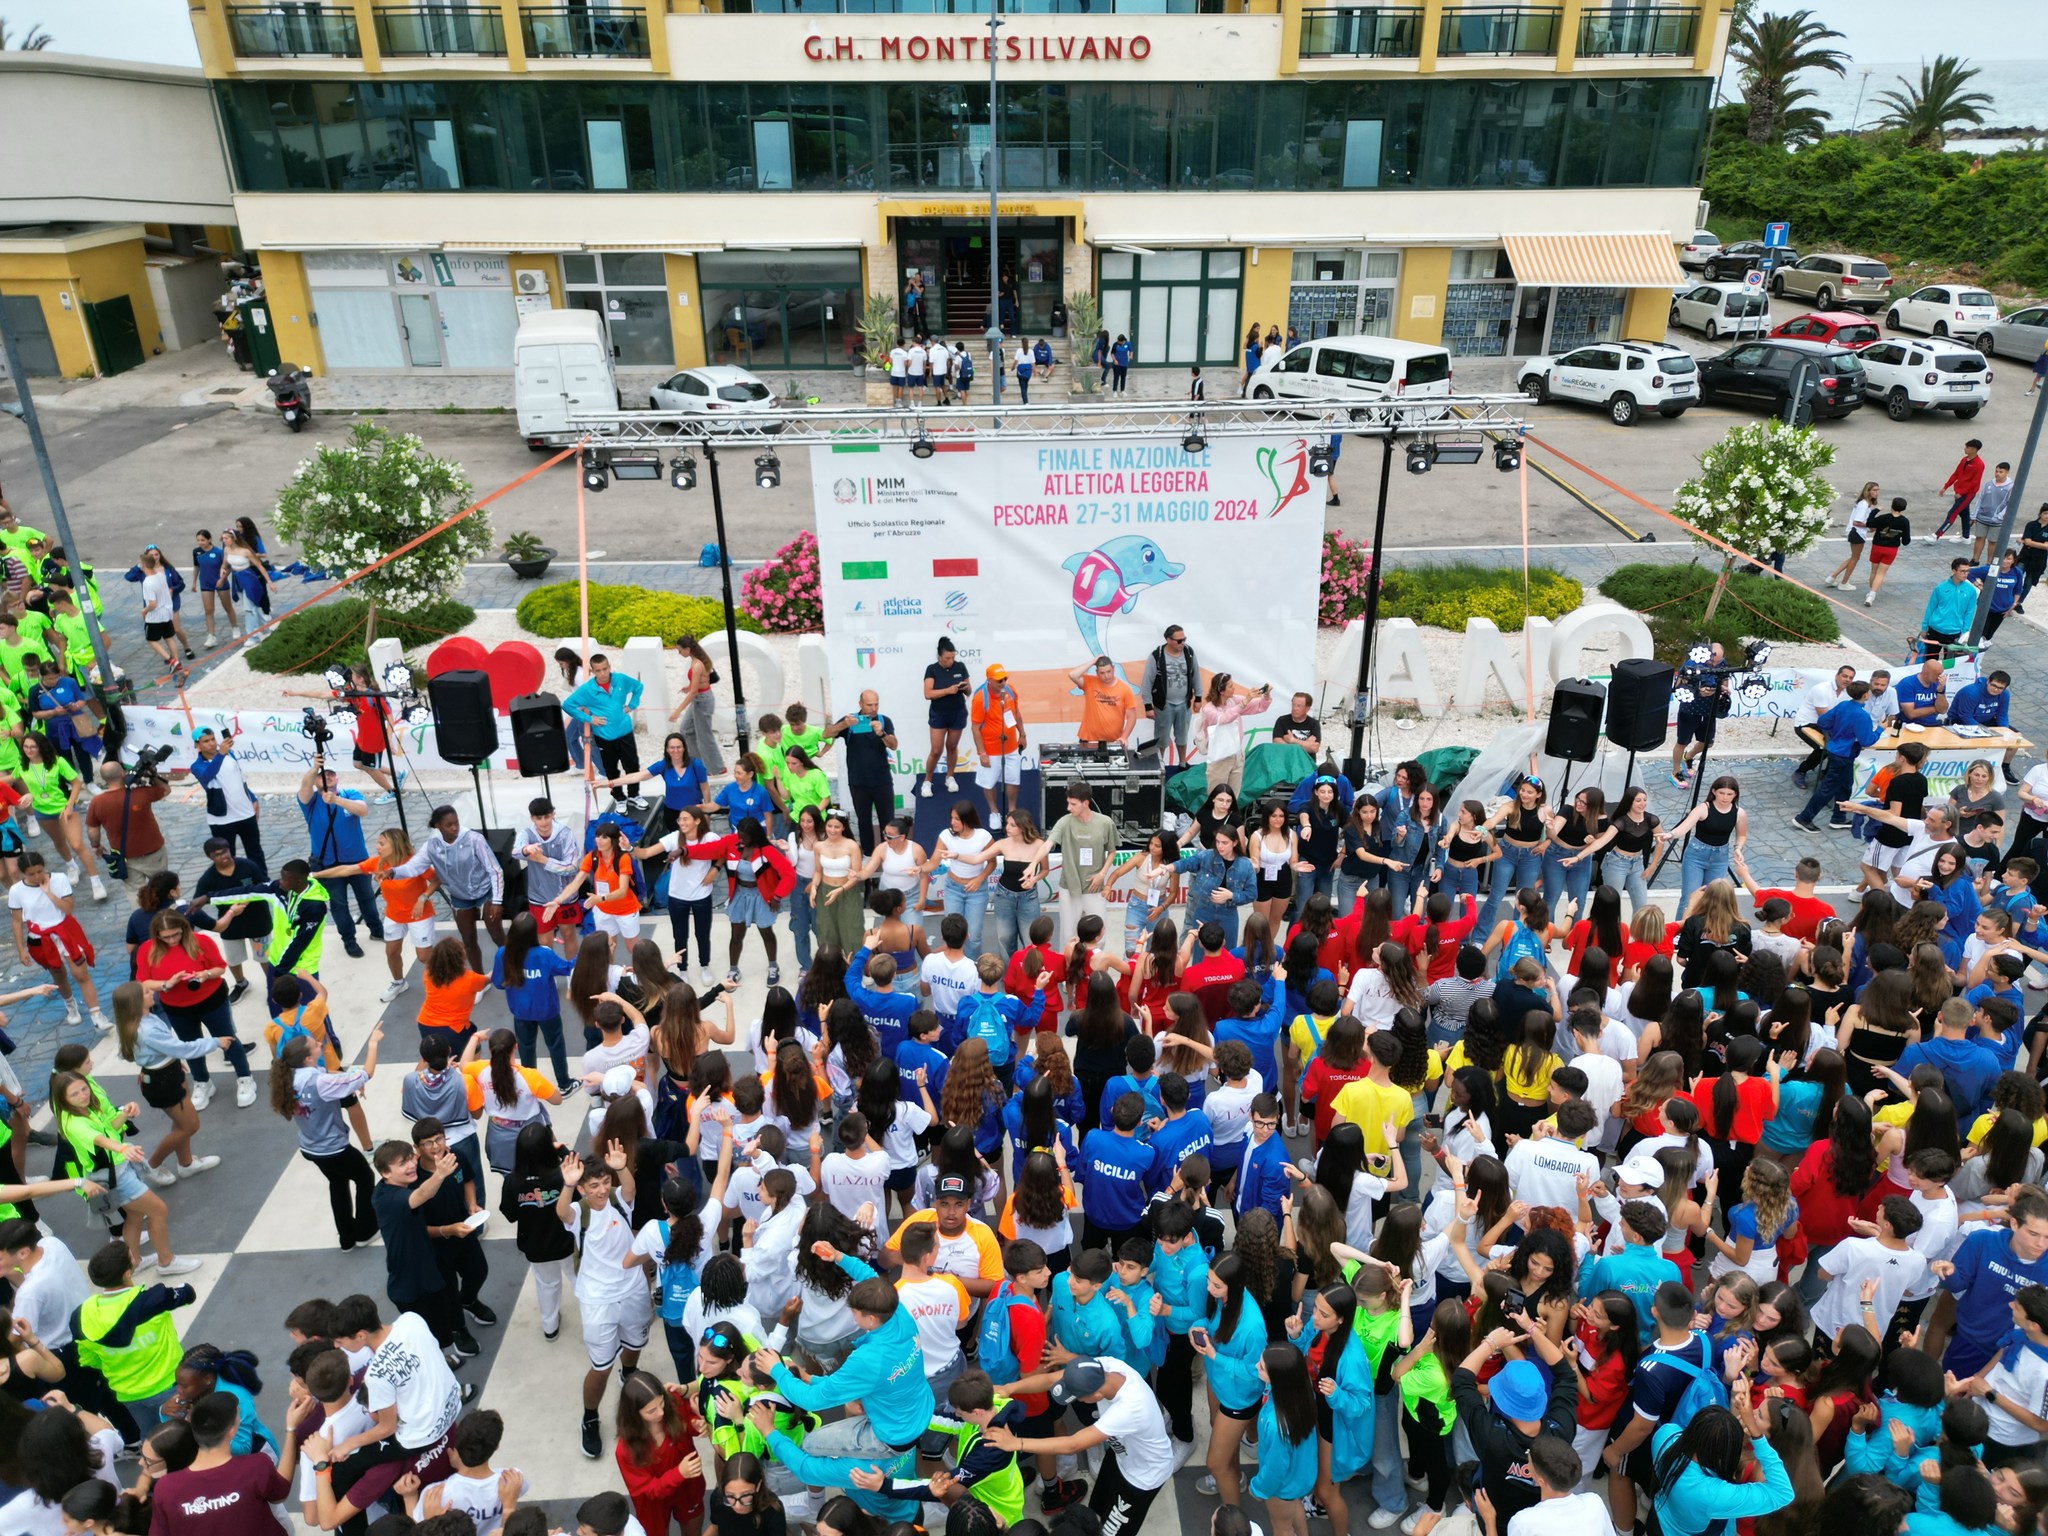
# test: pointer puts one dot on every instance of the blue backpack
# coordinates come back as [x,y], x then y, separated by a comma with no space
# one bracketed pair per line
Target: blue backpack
[708,556]
[1521,942]
[1705,1390]
[678,1282]
[997,1356]
[988,1022]
[966,367]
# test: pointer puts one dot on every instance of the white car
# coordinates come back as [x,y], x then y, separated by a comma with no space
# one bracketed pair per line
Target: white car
[718,388]
[1626,377]
[1935,375]
[1716,310]
[1942,309]
[1694,253]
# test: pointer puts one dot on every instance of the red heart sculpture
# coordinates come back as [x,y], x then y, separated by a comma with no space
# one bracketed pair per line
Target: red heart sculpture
[515,668]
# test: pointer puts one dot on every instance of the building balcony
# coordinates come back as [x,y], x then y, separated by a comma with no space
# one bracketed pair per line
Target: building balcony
[1505,31]
[293,32]
[436,31]
[980,7]
[583,33]
[1638,32]
[1369,32]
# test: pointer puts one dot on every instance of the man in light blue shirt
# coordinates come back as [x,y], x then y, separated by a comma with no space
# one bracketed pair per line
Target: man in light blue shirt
[1951,608]
[606,703]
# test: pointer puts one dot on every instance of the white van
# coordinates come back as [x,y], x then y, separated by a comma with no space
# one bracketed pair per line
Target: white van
[561,367]
[1354,368]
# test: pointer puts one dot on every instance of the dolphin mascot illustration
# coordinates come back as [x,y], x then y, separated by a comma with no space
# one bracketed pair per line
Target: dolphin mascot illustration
[1108,581]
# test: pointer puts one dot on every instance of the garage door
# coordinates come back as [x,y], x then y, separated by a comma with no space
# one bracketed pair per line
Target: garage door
[31,335]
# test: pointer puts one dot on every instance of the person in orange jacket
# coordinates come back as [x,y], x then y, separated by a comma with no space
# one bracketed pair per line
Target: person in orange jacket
[998,720]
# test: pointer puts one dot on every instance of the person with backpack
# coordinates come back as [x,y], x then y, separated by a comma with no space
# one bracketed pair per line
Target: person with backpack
[1700,1471]
[612,870]
[1674,1381]
[999,1020]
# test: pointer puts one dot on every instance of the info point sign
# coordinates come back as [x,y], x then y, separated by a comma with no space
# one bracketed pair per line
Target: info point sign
[1042,555]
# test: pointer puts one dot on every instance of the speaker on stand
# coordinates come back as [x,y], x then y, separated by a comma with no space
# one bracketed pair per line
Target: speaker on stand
[1574,734]
[1638,707]
[465,726]
[540,738]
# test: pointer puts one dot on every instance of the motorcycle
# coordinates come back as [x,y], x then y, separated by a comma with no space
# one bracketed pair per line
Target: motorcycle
[291,391]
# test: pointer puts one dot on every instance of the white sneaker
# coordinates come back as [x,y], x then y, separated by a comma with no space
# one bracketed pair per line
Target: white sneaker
[1869,598]
[71,1013]
[245,1092]
[392,990]
[99,889]
[1413,1518]
[178,1267]
[71,869]
[164,1177]
[100,1020]
[197,1166]
[952,785]
[147,1261]
[202,1095]
[924,787]
[1381,1519]
[1206,1484]
[29,825]
[1182,1450]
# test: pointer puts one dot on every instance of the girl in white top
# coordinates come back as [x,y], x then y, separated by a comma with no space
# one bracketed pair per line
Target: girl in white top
[835,885]
[855,1182]
[509,1095]
[768,1248]
[690,889]
[967,877]
[1154,888]
[896,863]
[1273,855]
[1843,575]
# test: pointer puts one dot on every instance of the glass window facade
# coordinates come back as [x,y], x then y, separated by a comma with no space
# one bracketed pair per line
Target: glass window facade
[1177,307]
[366,135]
[781,309]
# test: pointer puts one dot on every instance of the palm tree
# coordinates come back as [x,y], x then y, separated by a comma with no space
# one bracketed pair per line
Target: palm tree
[33,41]
[1938,103]
[1772,49]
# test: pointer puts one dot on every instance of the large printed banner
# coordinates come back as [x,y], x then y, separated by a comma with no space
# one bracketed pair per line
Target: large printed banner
[273,741]
[1043,555]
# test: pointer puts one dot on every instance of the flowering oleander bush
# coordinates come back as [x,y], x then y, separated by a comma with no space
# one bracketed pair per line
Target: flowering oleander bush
[1761,490]
[784,593]
[348,506]
[1347,570]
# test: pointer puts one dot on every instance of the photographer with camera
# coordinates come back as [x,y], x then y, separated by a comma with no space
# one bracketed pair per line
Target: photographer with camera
[119,820]
[231,809]
[374,725]
[334,833]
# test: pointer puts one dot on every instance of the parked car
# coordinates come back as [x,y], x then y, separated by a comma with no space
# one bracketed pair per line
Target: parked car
[1358,368]
[1944,309]
[1694,253]
[1856,282]
[718,388]
[561,368]
[1722,309]
[1763,373]
[1932,375]
[1731,261]
[1838,327]
[1627,377]
[2022,334]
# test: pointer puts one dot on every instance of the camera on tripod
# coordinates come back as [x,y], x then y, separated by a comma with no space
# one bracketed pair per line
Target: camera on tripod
[147,768]
[314,723]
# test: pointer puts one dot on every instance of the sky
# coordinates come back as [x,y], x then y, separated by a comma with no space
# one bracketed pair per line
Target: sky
[1886,31]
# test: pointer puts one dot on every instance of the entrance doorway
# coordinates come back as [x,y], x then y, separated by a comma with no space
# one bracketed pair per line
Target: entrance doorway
[952,255]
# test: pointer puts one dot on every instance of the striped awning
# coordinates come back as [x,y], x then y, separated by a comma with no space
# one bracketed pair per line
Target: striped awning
[1594,261]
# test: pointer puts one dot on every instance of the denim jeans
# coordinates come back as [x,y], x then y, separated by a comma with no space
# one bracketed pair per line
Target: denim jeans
[1560,881]
[1459,882]
[1516,867]
[1305,886]
[1139,915]
[1388,1489]
[970,904]
[364,890]
[1626,871]
[1703,865]
[1346,894]
[1401,888]
[528,1032]
[1013,913]
[800,923]
[1222,913]
[1832,786]
[682,917]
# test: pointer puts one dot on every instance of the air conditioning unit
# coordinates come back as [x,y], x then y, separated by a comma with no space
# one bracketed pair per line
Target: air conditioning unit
[531,282]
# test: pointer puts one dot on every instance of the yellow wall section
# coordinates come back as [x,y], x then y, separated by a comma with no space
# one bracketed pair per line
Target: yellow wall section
[107,271]
[291,310]
[30,276]
[686,321]
[1644,314]
[1265,291]
[89,276]
[1425,273]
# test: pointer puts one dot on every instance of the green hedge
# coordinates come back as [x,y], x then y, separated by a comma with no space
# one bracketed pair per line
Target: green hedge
[618,613]
[1447,595]
[1672,599]
[332,634]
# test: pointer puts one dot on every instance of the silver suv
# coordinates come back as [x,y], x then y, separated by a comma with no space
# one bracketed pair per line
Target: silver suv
[1832,280]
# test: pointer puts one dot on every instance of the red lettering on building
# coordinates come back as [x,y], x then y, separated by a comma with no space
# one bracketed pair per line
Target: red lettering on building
[1141,47]
[892,47]
[969,48]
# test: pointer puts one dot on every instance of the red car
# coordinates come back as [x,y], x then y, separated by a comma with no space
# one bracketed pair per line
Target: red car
[1837,327]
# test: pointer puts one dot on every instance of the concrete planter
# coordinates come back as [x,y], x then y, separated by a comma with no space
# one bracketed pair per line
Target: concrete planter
[878,392]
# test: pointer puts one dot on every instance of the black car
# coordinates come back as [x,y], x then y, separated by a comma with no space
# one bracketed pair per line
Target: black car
[1728,264]
[1762,373]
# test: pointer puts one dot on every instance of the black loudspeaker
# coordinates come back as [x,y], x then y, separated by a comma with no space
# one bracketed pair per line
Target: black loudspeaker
[539,738]
[1575,721]
[465,724]
[1639,704]
[511,866]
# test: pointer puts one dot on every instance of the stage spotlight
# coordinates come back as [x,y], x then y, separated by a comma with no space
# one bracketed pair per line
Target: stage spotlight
[419,715]
[595,476]
[1698,654]
[767,471]
[1507,455]
[1320,461]
[1195,443]
[335,678]
[1757,652]
[682,472]
[921,447]
[398,678]
[1419,458]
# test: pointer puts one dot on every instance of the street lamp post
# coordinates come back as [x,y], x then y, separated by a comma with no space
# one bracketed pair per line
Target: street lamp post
[732,633]
[995,243]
